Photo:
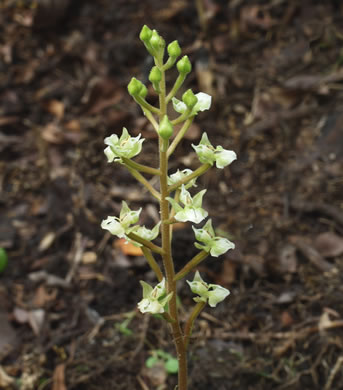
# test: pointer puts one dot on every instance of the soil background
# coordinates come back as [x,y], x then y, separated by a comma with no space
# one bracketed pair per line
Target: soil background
[68,295]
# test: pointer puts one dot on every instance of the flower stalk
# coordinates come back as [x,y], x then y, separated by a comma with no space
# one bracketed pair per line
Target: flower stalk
[181,207]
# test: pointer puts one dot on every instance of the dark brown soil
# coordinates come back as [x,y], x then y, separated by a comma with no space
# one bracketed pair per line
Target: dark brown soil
[274,69]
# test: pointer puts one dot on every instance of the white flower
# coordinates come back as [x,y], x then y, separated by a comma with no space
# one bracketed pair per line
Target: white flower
[121,226]
[213,244]
[204,103]
[208,154]
[125,146]
[179,175]
[154,299]
[192,211]
[213,293]
[145,233]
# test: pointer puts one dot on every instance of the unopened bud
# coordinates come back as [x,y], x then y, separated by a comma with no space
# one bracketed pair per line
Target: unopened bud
[174,50]
[166,128]
[155,75]
[145,34]
[135,86]
[189,98]
[184,66]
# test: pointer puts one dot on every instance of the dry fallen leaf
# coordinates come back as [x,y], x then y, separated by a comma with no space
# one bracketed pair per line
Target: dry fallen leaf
[127,248]
[329,244]
[55,107]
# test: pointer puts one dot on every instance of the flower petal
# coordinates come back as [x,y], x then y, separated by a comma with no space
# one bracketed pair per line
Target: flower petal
[216,294]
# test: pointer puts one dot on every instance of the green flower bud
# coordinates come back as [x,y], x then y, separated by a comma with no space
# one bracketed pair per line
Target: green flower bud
[174,50]
[156,41]
[145,34]
[184,66]
[166,128]
[189,98]
[143,92]
[155,75]
[134,87]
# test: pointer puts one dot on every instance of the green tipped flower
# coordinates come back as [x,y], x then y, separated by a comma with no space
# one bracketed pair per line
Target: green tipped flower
[179,175]
[165,129]
[125,146]
[208,154]
[211,243]
[189,99]
[135,87]
[184,66]
[154,299]
[203,103]
[121,226]
[145,233]
[211,293]
[174,49]
[192,210]
[145,34]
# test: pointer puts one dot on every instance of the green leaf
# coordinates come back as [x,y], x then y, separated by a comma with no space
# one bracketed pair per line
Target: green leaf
[151,361]
[3,259]
[171,366]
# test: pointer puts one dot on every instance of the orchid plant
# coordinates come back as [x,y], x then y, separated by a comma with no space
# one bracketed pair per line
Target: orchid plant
[176,202]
